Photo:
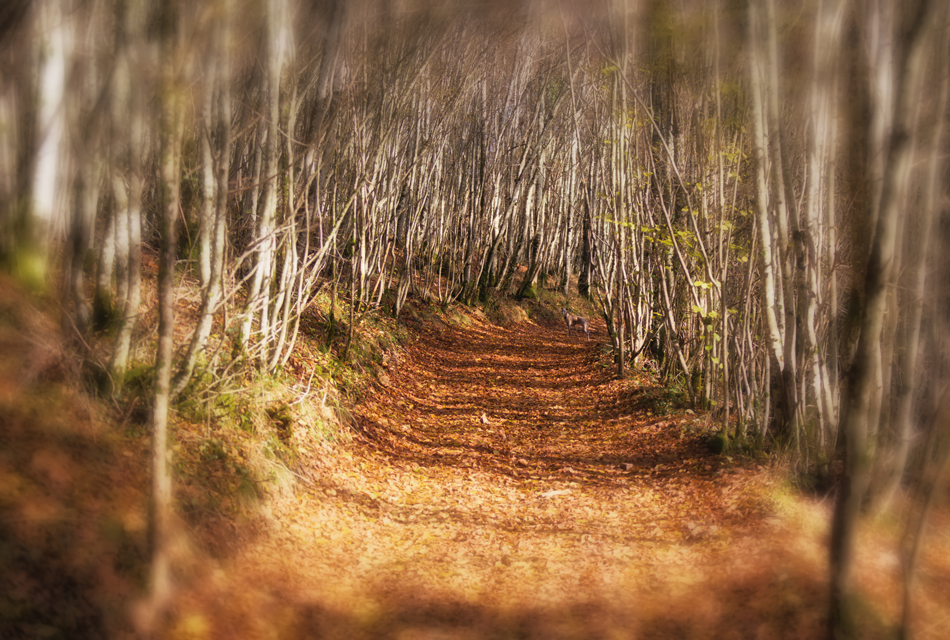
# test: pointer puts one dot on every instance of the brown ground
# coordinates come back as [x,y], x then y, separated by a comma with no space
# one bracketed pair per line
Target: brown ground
[504,485]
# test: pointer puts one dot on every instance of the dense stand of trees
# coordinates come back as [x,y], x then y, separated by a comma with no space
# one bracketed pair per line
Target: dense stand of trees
[753,194]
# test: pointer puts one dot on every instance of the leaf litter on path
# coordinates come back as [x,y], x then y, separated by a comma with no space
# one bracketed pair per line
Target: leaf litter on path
[503,484]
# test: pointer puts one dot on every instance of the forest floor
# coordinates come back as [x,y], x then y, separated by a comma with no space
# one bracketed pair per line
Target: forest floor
[501,482]
[504,484]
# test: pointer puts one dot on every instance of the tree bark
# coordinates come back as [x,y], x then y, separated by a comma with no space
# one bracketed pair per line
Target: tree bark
[879,276]
[38,219]
[214,127]
[161,508]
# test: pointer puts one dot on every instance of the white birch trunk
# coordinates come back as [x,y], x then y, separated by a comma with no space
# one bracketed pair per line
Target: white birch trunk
[879,277]
[42,221]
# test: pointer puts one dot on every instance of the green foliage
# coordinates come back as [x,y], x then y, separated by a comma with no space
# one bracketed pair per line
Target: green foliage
[204,400]
[138,380]
[233,334]
[504,310]
[220,476]
[718,443]
[278,448]
[213,450]
[283,420]
[743,444]
[28,264]
[662,400]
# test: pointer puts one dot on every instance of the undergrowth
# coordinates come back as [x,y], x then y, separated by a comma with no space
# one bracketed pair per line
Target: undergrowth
[244,438]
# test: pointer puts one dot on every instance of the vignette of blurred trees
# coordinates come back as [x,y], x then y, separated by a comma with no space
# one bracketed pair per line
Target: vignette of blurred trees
[753,193]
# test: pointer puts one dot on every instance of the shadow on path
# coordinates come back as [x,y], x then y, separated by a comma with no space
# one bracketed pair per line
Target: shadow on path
[527,401]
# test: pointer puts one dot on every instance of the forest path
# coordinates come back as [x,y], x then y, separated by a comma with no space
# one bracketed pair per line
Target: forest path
[530,403]
[506,485]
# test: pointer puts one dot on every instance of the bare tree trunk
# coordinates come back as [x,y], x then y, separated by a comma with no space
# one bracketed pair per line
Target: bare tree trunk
[110,255]
[587,249]
[920,253]
[37,222]
[214,172]
[171,123]
[128,197]
[80,239]
[276,55]
[861,389]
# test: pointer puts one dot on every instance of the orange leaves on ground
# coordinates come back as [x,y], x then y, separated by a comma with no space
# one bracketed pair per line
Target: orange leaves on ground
[502,483]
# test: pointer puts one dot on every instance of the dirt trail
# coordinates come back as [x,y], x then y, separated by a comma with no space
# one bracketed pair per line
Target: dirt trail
[504,485]
[529,403]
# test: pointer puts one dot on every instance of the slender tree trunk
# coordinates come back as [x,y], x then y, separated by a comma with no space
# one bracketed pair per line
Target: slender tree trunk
[920,253]
[37,219]
[128,197]
[214,172]
[103,301]
[160,505]
[259,298]
[585,276]
[879,276]
[82,222]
